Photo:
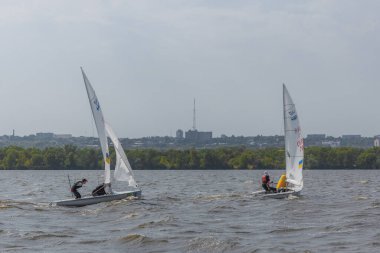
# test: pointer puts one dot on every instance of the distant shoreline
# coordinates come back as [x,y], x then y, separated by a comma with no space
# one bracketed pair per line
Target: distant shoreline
[233,158]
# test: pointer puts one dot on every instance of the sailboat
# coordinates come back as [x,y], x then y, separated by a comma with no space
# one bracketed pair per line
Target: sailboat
[123,170]
[292,182]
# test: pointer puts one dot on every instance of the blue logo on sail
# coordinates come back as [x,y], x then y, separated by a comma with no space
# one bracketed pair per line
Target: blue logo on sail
[293,115]
[108,159]
[300,164]
[96,102]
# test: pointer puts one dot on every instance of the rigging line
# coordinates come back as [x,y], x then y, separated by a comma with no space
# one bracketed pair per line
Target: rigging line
[68,177]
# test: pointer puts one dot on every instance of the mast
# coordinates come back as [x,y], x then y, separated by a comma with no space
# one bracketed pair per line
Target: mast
[194,118]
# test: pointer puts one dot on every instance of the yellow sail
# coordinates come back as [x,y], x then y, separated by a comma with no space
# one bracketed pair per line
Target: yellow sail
[282,182]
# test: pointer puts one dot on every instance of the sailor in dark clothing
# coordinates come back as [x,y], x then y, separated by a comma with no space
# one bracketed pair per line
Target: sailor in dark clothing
[99,190]
[76,186]
[102,189]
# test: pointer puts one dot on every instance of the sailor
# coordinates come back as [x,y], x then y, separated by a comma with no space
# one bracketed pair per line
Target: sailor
[102,189]
[265,182]
[76,186]
[99,190]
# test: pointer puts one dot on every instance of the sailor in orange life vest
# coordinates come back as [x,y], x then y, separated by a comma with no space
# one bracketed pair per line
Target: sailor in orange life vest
[265,179]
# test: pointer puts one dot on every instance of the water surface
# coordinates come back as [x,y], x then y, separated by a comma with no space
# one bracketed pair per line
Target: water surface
[192,211]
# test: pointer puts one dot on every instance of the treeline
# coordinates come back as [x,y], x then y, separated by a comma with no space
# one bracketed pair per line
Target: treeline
[72,157]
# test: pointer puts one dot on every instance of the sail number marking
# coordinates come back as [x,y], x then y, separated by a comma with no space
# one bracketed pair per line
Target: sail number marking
[292,114]
[96,103]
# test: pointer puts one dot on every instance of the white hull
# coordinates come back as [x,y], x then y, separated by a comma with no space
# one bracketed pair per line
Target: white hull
[278,195]
[98,199]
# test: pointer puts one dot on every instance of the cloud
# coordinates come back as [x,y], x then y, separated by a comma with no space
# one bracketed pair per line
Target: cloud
[151,58]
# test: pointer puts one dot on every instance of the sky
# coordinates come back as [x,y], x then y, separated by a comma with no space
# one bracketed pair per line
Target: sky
[148,60]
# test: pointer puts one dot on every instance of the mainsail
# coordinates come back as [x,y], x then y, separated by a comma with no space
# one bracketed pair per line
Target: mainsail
[100,126]
[293,144]
[123,170]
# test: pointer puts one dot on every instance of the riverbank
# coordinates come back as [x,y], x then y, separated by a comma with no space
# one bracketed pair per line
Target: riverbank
[238,158]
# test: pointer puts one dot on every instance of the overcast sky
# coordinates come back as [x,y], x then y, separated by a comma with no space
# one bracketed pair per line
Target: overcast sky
[148,60]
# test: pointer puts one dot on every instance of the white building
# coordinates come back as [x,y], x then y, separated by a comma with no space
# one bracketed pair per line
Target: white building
[376,142]
[63,136]
[333,144]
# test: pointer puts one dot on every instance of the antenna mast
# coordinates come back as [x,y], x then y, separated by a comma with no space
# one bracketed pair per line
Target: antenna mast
[194,118]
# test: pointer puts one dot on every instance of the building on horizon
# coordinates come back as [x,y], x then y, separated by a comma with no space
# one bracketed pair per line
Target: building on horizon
[63,136]
[315,139]
[316,136]
[332,144]
[376,141]
[44,135]
[179,134]
[351,136]
[195,135]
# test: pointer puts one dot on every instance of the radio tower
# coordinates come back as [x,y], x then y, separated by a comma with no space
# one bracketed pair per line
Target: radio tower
[194,118]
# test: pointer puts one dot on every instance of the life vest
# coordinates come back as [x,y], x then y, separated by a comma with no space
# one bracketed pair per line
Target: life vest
[264,179]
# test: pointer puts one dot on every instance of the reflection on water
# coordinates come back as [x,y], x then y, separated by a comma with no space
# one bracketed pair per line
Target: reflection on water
[192,211]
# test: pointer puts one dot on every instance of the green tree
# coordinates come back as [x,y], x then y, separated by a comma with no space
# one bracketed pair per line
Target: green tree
[54,158]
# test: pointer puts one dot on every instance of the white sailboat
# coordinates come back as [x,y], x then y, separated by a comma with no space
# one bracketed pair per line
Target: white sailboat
[123,170]
[294,152]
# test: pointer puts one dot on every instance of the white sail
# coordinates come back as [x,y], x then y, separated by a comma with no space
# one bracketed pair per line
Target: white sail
[123,170]
[100,127]
[293,144]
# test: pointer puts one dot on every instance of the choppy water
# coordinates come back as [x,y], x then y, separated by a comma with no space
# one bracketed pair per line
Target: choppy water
[192,211]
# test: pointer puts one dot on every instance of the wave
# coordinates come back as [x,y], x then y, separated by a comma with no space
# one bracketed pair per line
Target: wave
[118,202]
[140,240]
[291,197]
[211,244]
[173,198]
[165,197]
[92,241]
[218,197]
[361,198]
[288,230]
[130,216]
[339,229]
[220,209]
[376,204]
[87,211]
[39,235]
[5,204]
[152,224]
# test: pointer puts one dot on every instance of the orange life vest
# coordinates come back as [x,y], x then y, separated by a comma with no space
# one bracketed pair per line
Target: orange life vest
[264,179]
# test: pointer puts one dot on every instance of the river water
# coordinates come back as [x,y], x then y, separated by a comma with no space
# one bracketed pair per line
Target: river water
[192,211]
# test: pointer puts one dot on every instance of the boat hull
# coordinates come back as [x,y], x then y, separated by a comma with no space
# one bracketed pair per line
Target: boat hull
[278,195]
[85,201]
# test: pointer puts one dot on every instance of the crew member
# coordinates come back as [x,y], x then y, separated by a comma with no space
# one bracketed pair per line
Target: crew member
[99,190]
[76,186]
[265,183]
